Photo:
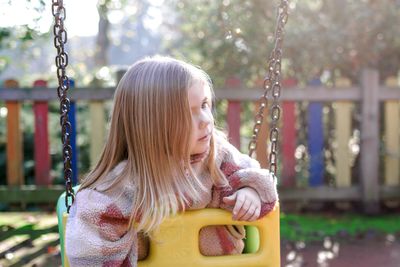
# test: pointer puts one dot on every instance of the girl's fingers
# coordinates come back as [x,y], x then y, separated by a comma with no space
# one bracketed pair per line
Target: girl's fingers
[237,210]
[255,216]
[248,214]
[244,210]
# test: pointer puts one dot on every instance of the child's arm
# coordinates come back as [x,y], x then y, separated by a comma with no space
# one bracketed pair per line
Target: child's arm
[249,183]
[97,231]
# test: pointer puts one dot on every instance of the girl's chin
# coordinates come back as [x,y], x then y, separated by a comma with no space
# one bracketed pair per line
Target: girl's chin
[198,157]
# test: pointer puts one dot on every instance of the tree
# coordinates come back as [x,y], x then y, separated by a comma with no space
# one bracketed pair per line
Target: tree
[20,36]
[233,37]
[226,38]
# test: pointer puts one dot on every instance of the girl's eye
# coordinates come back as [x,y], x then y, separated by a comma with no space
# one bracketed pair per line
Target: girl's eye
[204,104]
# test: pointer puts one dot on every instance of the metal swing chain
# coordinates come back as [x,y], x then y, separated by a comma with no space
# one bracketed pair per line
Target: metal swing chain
[60,39]
[272,83]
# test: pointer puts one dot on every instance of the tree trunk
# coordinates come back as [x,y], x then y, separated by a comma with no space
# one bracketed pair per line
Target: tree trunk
[102,40]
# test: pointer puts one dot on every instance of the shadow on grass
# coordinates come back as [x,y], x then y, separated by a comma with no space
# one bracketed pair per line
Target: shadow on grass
[32,234]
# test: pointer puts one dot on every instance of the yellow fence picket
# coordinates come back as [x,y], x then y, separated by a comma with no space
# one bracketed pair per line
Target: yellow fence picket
[97,132]
[343,135]
[392,141]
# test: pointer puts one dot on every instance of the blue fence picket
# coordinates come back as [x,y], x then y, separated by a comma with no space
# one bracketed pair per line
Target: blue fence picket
[315,141]
[72,119]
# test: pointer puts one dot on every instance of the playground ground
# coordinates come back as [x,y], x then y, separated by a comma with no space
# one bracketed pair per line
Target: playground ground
[31,239]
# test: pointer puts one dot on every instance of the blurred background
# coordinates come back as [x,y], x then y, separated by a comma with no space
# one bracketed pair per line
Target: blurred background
[339,153]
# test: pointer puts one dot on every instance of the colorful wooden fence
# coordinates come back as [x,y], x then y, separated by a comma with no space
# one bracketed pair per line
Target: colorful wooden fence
[371,186]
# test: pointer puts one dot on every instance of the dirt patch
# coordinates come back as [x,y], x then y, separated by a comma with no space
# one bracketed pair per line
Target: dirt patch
[383,250]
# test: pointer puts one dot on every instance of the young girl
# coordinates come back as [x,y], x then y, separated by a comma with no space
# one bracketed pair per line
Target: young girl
[163,156]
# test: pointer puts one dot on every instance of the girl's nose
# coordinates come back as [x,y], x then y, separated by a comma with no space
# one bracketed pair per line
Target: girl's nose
[204,121]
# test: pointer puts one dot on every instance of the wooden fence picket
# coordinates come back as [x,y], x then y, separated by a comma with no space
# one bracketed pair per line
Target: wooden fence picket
[233,113]
[14,145]
[316,140]
[288,142]
[73,137]
[392,138]
[342,137]
[370,140]
[41,139]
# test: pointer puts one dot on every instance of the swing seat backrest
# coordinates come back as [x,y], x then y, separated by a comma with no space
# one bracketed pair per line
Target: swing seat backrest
[176,243]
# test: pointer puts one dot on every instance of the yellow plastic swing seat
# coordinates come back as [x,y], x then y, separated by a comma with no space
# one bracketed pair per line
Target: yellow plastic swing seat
[176,243]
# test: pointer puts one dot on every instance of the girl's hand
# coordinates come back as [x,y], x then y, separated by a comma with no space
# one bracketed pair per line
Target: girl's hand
[247,204]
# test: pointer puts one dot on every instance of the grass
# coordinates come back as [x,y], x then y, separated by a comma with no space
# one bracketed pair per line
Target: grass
[28,238]
[316,227]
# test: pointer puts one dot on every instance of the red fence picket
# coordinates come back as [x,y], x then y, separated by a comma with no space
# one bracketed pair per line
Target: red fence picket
[41,147]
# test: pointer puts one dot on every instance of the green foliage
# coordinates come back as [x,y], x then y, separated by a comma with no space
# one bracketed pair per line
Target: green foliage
[4,34]
[233,37]
[21,36]
[343,37]
[221,36]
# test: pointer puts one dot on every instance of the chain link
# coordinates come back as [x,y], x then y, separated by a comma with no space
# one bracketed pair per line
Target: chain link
[272,83]
[60,39]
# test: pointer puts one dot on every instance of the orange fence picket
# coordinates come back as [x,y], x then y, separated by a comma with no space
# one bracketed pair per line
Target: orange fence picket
[14,144]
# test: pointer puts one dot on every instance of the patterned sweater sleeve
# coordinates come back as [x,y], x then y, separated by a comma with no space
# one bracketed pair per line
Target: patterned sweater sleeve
[243,171]
[97,231]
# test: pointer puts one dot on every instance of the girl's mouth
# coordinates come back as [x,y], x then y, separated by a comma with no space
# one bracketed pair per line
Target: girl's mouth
[205,138]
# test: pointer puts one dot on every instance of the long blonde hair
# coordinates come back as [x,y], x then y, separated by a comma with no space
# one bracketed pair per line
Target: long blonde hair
[150,130]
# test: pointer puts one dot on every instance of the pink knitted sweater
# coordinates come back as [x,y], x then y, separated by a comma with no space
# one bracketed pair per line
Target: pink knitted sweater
[97,231]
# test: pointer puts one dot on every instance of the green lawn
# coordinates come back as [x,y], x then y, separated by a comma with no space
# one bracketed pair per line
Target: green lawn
[315,227]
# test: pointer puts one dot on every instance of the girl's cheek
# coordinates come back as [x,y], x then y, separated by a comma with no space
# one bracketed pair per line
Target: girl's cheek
[211,116]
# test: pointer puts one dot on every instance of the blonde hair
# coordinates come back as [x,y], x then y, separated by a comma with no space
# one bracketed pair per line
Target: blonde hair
[150,129]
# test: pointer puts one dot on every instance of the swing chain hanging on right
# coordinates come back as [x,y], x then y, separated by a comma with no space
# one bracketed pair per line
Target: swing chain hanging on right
[272,83]
[60,39]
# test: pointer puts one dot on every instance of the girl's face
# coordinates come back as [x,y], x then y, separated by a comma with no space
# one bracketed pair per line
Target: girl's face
[202,120]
